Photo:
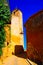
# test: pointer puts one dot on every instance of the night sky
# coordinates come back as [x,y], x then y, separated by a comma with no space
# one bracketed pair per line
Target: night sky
[28,8]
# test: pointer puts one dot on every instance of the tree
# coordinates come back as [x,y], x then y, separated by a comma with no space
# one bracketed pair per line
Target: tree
[4,19]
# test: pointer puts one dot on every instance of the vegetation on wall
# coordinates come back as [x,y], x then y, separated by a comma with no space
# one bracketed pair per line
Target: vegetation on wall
[4,19]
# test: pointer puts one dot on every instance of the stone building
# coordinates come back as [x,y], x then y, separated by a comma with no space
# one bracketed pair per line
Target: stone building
[34,32]
[17,30]
[14,42]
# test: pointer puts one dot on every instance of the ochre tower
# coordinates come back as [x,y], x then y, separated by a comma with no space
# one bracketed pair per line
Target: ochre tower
[16,29]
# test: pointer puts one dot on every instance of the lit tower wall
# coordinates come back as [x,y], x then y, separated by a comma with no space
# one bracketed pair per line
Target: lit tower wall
[16,29]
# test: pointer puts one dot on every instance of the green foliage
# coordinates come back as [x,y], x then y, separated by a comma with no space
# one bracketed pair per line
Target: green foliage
[4,13]
[0,52]
[4,19]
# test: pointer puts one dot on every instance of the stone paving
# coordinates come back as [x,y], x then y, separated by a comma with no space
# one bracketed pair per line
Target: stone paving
[19,59]
[14,60]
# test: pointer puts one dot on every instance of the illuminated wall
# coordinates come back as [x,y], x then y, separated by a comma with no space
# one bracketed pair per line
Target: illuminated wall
[14,34]
[16,29]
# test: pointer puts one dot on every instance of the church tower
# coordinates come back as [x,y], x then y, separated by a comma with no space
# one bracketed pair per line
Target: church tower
[16,29]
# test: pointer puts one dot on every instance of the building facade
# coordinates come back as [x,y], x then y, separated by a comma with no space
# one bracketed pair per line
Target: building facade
[17,29]
[34,32]
[14,42]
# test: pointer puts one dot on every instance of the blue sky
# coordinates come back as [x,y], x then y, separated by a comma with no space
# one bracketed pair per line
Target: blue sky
[28,8]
